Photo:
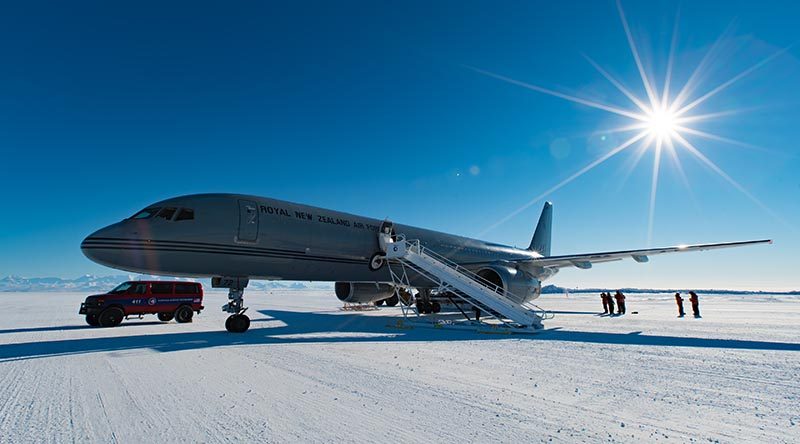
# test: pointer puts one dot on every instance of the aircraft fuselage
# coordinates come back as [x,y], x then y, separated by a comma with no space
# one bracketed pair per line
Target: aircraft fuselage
[262,238]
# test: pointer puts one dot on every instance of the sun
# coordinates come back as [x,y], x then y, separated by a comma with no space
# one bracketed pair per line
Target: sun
[661,121]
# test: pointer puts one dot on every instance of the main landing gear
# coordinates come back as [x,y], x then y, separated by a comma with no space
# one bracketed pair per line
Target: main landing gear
[237,322]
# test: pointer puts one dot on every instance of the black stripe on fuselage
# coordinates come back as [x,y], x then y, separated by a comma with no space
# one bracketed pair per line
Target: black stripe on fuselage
[220,251]
[96,242]
[107,240]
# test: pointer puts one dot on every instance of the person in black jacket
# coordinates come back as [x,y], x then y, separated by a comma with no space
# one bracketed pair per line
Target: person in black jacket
[605,302]
[679,301]
[610,304]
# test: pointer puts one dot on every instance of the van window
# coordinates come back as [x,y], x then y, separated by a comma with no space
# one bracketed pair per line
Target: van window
[147,213]
[187,288]
[166,213]
[139,288]
[161,288]
[121,288]
[185,214]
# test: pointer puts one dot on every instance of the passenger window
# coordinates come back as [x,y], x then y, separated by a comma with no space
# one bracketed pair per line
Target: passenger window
[166,213]
[161,288]
[147,213]
[185,288]
[139,289]
[185,214]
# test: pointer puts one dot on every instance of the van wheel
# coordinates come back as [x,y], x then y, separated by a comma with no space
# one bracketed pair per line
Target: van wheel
[110,317]
[184,314]
[165,317]
[92,320]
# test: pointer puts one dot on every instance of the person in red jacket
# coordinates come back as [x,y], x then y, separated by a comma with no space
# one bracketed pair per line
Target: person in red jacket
[695,303]
[605,302]
[620,302]
[679,301]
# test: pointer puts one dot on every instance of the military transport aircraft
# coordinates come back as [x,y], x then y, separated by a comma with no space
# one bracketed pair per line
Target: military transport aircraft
[234,238]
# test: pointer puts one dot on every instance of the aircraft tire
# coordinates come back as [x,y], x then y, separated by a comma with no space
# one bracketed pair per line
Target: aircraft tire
[379,303]
[165,317]
[92,320]
[238,323]
[436,307]
[392,301]
[183,314]
[110,317]
[376,261]
[423,307]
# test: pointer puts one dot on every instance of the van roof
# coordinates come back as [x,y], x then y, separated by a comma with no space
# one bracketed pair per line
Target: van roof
[166,282]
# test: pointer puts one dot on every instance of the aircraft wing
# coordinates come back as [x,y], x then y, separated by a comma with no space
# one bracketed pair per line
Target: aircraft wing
[585,261]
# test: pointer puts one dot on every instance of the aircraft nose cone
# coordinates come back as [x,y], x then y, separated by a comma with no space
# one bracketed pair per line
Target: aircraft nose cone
[98,246]
[91,245]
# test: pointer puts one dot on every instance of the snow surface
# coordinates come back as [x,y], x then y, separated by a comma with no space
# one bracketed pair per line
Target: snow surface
[308,372]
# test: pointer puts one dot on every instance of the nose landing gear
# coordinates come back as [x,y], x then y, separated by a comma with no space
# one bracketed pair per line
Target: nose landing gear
[237,322]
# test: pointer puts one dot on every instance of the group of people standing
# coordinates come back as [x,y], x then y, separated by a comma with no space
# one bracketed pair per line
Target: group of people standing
[693,299]
[608,303]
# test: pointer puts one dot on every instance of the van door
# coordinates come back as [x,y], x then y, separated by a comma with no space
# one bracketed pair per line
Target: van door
[248,221]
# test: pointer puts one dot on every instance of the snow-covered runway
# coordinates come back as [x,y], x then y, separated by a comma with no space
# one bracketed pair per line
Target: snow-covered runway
[308,372]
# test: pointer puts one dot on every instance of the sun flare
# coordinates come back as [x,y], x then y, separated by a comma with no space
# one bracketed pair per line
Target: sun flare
[661,121]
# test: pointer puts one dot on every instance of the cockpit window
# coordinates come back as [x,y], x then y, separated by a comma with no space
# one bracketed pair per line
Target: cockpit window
[166,213]
[121,288]
[147,213]
[185,214]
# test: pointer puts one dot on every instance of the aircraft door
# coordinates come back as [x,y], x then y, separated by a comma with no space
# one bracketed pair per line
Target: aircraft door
[388,227]
[248,221]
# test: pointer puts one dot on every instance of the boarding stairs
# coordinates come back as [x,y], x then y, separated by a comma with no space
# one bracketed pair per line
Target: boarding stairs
[457,280]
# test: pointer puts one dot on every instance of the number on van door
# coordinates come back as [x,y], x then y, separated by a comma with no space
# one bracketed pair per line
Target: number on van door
[248,221]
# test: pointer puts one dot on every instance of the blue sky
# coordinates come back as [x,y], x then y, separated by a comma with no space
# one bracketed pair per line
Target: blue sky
[370,108]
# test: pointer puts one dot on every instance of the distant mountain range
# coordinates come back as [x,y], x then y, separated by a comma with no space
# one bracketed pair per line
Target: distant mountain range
[92,283]
[554,289]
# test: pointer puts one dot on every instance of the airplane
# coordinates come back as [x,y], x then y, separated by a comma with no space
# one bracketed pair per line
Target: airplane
[234,238]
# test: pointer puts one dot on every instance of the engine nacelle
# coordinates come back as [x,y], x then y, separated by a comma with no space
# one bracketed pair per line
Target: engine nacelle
[362,292]
[519,285]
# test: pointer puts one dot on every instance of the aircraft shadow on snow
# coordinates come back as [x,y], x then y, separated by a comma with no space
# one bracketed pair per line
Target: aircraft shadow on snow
[335,327]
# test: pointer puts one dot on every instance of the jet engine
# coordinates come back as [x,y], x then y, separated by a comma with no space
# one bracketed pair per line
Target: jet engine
[521,286]
[362,292]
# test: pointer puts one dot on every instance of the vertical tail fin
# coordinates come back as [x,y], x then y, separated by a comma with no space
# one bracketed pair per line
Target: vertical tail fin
[541,237]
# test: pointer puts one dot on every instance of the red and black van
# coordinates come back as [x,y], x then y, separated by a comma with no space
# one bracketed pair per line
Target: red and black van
[167,299]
